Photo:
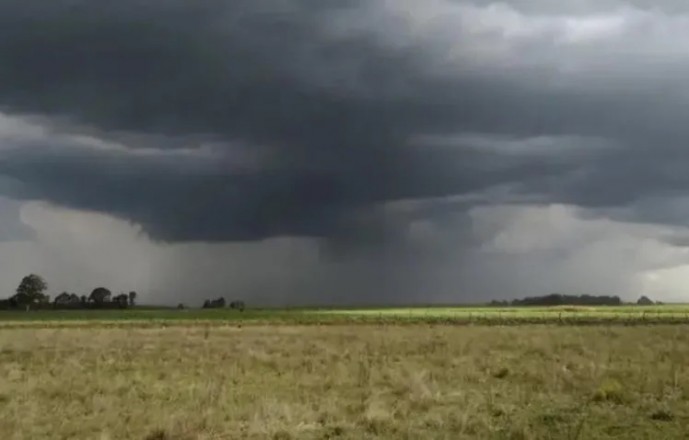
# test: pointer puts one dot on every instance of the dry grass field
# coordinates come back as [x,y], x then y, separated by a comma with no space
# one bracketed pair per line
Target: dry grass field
[345,382]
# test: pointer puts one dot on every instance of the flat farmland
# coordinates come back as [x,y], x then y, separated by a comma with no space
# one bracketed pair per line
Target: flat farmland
[566,315]
[344,381]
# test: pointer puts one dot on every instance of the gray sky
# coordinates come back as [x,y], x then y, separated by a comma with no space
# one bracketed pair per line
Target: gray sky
[287,151]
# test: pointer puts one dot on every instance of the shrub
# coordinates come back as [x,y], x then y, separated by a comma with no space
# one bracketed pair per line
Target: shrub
[609,391]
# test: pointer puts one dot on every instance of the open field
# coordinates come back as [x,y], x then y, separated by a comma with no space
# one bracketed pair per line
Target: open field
[566,315]
[345,381]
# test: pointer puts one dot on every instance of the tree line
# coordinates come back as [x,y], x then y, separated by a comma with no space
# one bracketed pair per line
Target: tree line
[31,294]
[557,299]
[220,303]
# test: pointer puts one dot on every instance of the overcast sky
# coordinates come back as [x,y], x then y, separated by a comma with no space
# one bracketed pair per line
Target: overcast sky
[346,151]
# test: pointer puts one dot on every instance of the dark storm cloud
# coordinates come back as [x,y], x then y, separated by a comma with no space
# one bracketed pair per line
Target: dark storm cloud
[199,199]
[329,100]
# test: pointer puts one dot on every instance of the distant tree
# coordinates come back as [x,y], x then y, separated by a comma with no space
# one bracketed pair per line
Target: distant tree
[100,296]
[84,300]
[132,298]
[217,303]
[237,305]
[645,301]
[180,306]
[31,290]
[122,300]
[63,298]
[66,299]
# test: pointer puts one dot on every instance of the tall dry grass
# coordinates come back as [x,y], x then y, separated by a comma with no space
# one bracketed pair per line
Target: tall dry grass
[349,382]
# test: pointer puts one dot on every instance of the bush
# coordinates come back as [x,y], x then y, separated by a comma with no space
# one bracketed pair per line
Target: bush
[610,391]
[645,301]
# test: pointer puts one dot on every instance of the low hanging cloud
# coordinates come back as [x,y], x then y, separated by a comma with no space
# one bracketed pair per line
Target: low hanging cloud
[377,129]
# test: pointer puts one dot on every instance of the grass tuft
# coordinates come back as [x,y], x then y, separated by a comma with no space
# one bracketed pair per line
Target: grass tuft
[501,373]
[610,391]
[662,416]
[158,434]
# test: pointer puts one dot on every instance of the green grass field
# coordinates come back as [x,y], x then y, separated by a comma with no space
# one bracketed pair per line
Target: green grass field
[566,315]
